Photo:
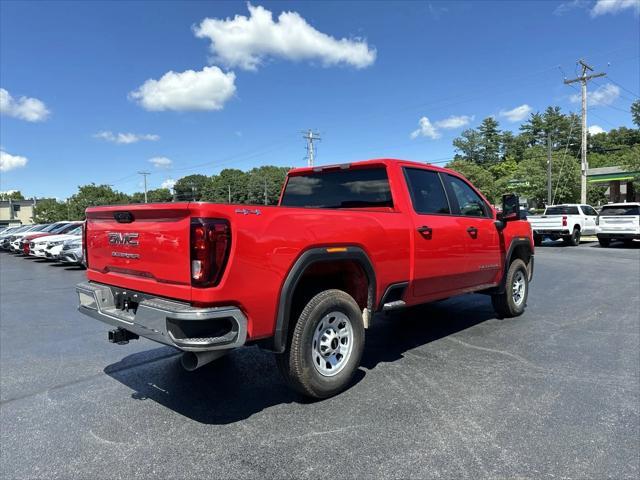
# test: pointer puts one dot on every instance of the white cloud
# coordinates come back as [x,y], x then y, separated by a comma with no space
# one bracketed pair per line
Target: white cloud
[455,121]
[161,162]
[168,183]
[246,42]
[207,89]
[426,129]
[126,138]
[9,162]
[604,95]
[603,7]
[595,129]
[516,114]
[24,108]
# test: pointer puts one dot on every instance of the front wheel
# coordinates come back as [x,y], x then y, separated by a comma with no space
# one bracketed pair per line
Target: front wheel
[513,300]
[325,347]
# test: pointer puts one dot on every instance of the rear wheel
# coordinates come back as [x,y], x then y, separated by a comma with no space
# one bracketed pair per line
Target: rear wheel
[573,239]
[513,300]
[325,347]
[604,242]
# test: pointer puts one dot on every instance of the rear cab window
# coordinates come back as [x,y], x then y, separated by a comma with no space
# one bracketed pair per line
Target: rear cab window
[620,210]
[366,188]
[562,210]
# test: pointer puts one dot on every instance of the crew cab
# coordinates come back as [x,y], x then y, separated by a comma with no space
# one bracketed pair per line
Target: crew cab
[618,221]
[303,278]
[568,221]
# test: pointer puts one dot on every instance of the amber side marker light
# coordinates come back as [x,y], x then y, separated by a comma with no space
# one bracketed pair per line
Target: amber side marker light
[336,249]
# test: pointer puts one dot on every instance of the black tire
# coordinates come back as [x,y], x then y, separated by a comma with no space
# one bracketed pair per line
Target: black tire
[504,303]
[604,242]
[573,239]
[537,240]
[296,363]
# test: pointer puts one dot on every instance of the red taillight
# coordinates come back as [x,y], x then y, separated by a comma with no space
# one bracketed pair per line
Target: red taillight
[210,242]
[564,221]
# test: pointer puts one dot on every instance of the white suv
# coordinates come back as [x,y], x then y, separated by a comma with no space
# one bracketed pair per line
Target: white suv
[618,221]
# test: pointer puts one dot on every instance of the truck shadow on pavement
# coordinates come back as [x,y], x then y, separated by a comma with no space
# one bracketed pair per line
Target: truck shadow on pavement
[247,380]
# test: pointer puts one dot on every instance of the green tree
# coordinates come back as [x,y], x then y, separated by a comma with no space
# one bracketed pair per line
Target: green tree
[635,113]
[11,195]
[158,195]
[490,141]
[270,177]
[468,146]
[49,210]
[191,187]
[94,195]
[479,176]
[228,181]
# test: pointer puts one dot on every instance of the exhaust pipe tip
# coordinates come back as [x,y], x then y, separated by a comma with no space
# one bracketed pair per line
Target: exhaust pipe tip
[193,360]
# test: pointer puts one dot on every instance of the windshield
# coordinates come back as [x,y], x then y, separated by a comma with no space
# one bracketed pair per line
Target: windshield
[60,228]
[53,227]
[357,188]
[561,210]
[620,210]
[65,228]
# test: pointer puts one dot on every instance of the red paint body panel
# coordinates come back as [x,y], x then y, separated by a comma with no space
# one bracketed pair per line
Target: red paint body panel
[265,246]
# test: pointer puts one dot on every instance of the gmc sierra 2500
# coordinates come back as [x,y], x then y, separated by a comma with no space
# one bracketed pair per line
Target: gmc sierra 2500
[303,278]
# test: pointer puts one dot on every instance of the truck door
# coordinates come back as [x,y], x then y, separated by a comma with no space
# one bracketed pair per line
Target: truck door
[438,263]
[481,237]
[589,220]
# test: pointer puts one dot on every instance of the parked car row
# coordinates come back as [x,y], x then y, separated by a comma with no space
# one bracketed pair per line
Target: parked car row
[59,241]
[615,221]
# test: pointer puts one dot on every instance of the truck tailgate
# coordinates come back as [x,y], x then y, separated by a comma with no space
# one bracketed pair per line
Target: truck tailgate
[141,247]
[546,222]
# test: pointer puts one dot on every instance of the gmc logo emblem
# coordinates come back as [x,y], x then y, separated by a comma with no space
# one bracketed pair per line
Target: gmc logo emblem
[118,238]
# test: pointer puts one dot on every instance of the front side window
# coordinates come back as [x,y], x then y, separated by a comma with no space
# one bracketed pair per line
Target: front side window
[344,188]
[427,192]
[469,202]
[587,210]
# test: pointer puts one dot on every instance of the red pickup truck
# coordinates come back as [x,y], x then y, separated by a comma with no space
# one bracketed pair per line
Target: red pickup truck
[303,278]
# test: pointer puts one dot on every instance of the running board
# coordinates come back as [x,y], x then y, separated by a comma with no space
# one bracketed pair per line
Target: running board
[394,305]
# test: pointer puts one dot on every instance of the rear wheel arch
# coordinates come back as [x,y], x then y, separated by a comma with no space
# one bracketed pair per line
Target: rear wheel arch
[318,269]
[519,249]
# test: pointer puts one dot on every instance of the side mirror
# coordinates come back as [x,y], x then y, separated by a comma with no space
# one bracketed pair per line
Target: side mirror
[510,207]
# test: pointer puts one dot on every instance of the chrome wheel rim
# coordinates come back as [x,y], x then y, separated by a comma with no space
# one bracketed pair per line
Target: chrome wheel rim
[519,288]
[332,344]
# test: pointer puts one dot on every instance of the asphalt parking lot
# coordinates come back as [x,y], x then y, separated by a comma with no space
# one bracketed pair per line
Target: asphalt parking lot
[445,390]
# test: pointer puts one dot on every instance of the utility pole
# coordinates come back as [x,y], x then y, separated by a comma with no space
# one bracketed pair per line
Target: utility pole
[311,136]
[549,192]
[229,193]
[144,174]
[583,79]
[266,202]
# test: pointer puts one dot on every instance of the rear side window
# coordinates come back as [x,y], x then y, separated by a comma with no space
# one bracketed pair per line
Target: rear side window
[427,192]
[469,202]
[357,188]
[620,210]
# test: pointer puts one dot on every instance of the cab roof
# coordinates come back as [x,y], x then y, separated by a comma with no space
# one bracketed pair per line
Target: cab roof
[387,162]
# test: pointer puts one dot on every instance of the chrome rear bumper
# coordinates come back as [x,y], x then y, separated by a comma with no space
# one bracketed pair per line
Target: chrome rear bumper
[172,323]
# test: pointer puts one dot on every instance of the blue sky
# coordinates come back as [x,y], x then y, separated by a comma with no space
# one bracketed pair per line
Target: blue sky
[87,96]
